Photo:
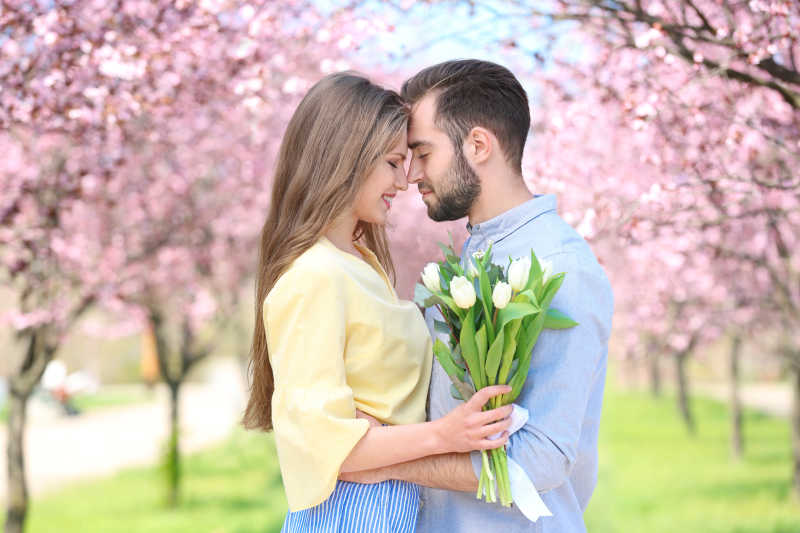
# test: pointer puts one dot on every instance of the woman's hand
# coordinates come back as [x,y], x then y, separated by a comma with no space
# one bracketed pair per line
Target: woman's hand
[467,427]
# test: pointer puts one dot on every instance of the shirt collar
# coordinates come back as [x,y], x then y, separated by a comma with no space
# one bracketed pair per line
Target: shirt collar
[508,222]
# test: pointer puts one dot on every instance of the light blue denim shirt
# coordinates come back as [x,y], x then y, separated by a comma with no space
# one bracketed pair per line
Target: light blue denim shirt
[564,390]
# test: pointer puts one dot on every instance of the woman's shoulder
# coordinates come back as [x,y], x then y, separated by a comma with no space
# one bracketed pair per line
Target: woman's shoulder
[314,268]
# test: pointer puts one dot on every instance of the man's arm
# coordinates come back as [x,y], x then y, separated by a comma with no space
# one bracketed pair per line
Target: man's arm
[451,471]
[567,370]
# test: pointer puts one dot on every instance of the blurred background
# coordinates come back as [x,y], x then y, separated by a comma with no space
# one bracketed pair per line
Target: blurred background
[137,141]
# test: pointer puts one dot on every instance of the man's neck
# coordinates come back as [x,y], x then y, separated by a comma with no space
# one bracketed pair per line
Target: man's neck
[500,194]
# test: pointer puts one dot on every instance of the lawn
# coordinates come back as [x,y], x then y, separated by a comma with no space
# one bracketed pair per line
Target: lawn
[653,478]
[232,488]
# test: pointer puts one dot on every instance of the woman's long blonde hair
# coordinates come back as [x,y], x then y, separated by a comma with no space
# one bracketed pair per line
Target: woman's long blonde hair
[340,130]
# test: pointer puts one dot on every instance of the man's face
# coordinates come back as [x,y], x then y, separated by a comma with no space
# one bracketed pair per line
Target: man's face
[446,181]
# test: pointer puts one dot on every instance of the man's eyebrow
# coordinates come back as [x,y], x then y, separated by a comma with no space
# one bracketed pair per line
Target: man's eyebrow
[417,144]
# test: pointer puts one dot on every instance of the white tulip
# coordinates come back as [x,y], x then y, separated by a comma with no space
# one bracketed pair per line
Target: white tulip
[463,292]
[430,277]
[472,272]
[518,273]
[501,295]
[547,269]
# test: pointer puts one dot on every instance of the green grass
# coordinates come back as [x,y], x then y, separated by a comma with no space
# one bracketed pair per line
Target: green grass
[653,478]
[113,398]
[232,488]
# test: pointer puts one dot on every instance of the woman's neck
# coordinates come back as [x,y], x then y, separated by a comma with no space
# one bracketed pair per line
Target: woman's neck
[341,232]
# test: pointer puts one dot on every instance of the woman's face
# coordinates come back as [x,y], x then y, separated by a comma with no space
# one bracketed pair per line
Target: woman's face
[374,199]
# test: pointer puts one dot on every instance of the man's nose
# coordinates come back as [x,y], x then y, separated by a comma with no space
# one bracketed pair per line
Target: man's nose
[414,171]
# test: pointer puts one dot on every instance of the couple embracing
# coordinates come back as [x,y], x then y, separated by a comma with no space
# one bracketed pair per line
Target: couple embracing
[343,370]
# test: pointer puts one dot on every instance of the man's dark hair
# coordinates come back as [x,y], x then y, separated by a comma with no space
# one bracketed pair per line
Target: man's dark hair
[476,93]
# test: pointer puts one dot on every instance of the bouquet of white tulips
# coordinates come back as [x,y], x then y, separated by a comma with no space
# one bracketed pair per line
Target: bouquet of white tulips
[493,317]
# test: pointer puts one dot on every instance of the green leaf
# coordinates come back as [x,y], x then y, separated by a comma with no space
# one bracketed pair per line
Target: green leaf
[487,257]
[444,300]
[454,392]
[526,296]
[509,349]
[486,300]
[482,343]
[461,390]
[524,352]
[555,319]
[440,326]
[493,359]
[514,311]
[449,252]
[535,274]
[442,353]
[421,295]
[457,358]
[469,349]
[550,289]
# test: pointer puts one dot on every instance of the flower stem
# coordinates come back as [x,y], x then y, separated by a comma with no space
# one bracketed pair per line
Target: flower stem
[489,483]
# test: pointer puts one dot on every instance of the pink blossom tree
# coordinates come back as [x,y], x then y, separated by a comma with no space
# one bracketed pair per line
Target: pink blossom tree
[140,137]
[673,127]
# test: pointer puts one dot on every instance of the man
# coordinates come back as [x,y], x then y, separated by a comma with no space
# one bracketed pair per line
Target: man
[467,132]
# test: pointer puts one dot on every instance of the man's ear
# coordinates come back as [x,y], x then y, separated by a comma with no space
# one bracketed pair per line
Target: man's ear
[479,145]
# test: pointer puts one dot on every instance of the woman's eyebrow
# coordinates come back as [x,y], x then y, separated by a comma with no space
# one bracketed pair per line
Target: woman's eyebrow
[398,154]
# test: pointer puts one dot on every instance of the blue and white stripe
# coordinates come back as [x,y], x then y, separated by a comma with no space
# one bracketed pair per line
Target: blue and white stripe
[387,507]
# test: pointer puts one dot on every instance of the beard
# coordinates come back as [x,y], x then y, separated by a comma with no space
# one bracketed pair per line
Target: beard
[458,192]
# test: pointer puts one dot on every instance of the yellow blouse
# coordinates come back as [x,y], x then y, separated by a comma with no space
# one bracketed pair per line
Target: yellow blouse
[339,339]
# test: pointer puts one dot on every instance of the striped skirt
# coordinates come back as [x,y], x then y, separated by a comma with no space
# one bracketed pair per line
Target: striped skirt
[387,507]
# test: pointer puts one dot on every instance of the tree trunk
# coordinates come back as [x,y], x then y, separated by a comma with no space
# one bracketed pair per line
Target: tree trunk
[173,459]
[796,427]
[17,506]
[737,438]
[655,373]
[39,352]
[683,391]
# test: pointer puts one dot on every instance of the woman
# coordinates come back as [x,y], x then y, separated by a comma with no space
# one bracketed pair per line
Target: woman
[331,337]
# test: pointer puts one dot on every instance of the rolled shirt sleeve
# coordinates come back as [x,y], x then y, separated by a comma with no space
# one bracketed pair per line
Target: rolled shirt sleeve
[313,410]
[564,367]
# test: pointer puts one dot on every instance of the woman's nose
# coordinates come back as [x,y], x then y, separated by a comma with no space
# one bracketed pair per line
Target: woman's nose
[400,180]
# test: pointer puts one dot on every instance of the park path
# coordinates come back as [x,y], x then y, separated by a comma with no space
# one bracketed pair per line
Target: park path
[771,398]
[101,442]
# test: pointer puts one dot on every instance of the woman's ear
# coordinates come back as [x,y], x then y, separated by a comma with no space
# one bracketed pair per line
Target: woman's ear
[479,145]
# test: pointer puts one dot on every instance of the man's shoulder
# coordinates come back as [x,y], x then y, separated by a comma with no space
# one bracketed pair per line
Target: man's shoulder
[551,238]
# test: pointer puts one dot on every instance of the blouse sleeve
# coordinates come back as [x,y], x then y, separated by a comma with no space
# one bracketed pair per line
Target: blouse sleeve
[313,411]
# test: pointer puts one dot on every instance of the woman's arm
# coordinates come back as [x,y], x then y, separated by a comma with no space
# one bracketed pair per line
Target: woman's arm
[463,429]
